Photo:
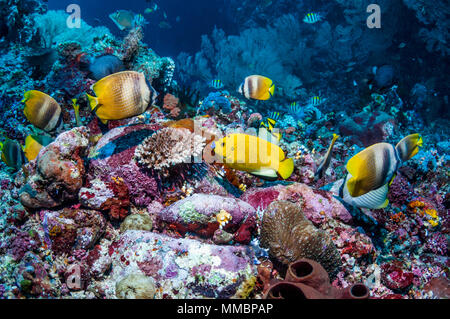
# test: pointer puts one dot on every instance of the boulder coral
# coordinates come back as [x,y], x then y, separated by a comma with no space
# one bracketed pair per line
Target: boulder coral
[200,214]
[289,235]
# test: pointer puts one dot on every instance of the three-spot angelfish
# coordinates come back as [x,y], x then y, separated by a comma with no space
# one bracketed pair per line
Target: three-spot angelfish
[254,155]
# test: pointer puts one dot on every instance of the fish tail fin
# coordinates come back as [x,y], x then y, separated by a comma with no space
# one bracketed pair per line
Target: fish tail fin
[335,137]
[286,168]
[93,101]
[272,89]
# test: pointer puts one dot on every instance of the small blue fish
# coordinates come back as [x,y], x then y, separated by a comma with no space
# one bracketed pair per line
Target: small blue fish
[316,100]
[312,18]
[217,84]
[294,108]
[274,115]
[139,20]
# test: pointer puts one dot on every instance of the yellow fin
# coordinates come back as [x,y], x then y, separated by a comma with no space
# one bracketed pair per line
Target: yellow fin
[286,168]
[104,121]
[272,89]
[267,174]
[93,101]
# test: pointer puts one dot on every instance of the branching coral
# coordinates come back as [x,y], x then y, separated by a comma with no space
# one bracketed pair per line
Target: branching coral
[289,236]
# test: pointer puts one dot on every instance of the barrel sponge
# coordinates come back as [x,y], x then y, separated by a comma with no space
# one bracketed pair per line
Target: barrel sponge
[135,286]
[289,235]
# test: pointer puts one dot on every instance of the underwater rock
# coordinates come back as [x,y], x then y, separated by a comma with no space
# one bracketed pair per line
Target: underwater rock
[367,128]
[136,286]
[32,277]
[317,204]
[112,158]
[72,229]
[290,236]
[57,173]
[200,214]
[112,196]
[181,268]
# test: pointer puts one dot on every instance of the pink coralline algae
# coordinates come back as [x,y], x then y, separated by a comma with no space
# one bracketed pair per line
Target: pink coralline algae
[197,214]
[112,158]
[22,242]
[395,277]
[186,268]
[400,191]
[73,229]
[57,174]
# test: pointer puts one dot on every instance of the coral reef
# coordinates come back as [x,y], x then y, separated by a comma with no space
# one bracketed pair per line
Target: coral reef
[289,236]
[140,207]
[306,279]
[56,176]
[180,268]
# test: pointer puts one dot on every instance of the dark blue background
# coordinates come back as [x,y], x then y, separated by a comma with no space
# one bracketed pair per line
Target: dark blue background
[197,17]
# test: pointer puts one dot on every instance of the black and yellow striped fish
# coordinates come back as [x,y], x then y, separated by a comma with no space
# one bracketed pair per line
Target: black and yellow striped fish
[312,18]
[257,87]
[269,125]
[216,84]
[294,108]
[12,153]
[316,100]
[371,172]
[42,110]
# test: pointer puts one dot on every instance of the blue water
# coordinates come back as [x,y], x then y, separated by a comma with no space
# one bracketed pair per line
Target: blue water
[196,17]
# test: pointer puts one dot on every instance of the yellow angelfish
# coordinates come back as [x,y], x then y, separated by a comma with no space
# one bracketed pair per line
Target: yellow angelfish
[257,87]
[42,110]
[34,144]
[254,155]
[121,95]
